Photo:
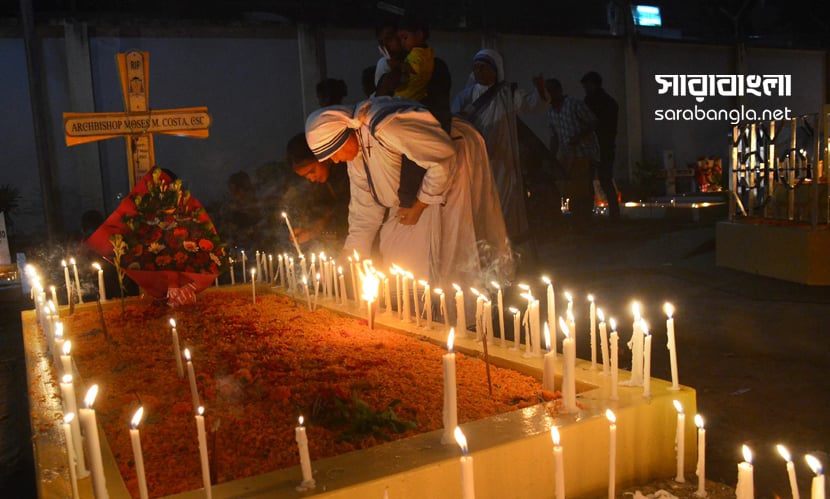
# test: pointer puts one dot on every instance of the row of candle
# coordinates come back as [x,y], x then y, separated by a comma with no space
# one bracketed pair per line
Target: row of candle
[745,488]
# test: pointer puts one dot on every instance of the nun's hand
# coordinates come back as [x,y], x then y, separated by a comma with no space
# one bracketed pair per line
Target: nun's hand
[410,216]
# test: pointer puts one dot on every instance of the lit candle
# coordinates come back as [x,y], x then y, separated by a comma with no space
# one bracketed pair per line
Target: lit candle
[646,362]
[253,285]
[615,360]
[233,277]
[790,469]
[468,490]
[271,275]
[177,351]
[636,345]
[70,405]
[592,311]
[57,347]
[191,375]
[93,444]
[54,293]
[479,313]
[341,288]
[135,438]
[570,302]
[442,306]
[603,342]
[612,453]
[407,307]
[680,441]
[549,369]
[517,327]
[291,233]
[307,294]
[817,488]
[387,294]
[244,259]
[305,461]
[427,303]
[417,301]
[203,450]
[397,273]
[568,369]
[316,288]
[671,345]
[746,487]
[77,281]
[102,291]
[68,282]
[558,463]
[70,452]
[536,330]
[701,458]
[66,358]
[281,270]
[526,324]
[551,297]
[353,264]
[500,303]
[460,312]
[450,414]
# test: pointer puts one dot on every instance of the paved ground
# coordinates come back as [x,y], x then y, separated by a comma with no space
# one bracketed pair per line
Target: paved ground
[754,348]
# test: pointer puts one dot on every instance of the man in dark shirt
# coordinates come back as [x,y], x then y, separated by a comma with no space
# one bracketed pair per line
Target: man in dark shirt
[606,110]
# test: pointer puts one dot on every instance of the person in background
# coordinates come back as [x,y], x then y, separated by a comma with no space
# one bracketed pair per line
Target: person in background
[367,81]
[492,105]
[331,92]
[606,110]
[417,66]
[572,127]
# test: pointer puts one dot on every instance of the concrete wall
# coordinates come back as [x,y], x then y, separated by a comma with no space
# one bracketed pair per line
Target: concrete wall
[252,88]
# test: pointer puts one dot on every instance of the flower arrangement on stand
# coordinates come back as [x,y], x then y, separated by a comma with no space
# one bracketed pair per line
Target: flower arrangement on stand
[163,239]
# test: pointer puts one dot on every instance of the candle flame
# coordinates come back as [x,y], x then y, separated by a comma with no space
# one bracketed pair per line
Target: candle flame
[609,414]
[669,309]
[600,315]
[784,453]
[284,215]
[59,330]
[527,296]
[564,327]
[187,354]
[356,256]
[67,347]
[495,284]
[475,291]
[546,279]
[524,287]
[814,464]
[450,339]
[644,327]
[423,283]
[613,324]
[52,288]
[438,291]
[66,378]
[300,419]
[747,454]
[201,410]
[370,287]
[461,439]
[52,307]
[89,399]
[635,309]
[513,310]
[569,297]
[547,337]
[677,406]
[68,417]
[699,421]
[253,271]
[172,322]
[457,287]
[340,270]
[72,261]
[305,281]
[96,266]
[139,414]
[554,435]
[63,262]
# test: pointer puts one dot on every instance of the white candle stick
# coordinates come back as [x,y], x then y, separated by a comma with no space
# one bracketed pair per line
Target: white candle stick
[450,412]
[191,375]
[281,270]
[70,452]
[416,301]
[387,293]
[646,362]
[93,444]
[636,345]
[517,327]
[615,360]
[177,351]
[487,320]
[341,289]
[701,457]
[603,342]
[671,345]
[66,358]
[468,490]
[271,275]
[548,366]
[233,277]
[427,303]
[68,282]
[305,460]
[291,233]
[592,311]
[460,311]
[54,292]
[244,270]
[551,303]
[442,307]
[500,303]
[135,439]
[746,486]
[57,346]
[790,469]
[253,285]
[203,451]
[353,264]
[612,453]
[77,280]
[397,273]
[680,442]
[817,487]
[558,464]
[568,369]
[70,405]
[102,290]
[307,294]
[536,330]
[316,288]
[407,307]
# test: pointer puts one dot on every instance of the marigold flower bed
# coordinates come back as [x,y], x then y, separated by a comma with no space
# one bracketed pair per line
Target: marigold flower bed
[258,368]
